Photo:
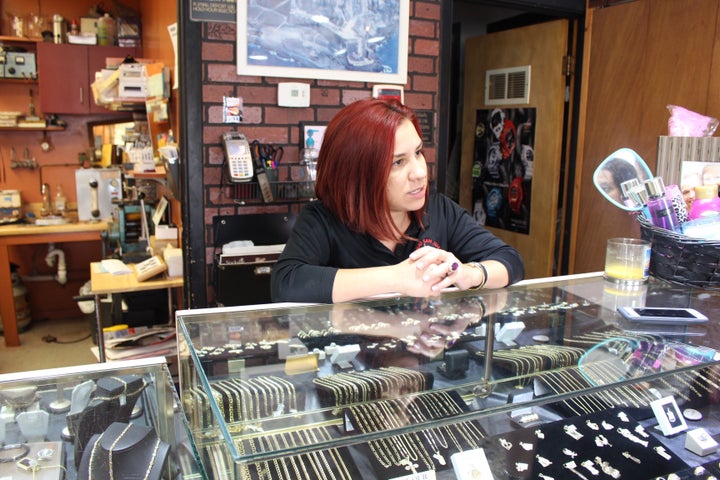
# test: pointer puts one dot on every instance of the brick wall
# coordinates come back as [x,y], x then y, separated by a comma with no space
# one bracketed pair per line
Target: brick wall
[264,121]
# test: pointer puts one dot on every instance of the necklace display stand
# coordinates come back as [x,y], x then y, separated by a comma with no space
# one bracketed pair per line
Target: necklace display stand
[124,451]
[114,401]
[126,389]
[60,404]
[18,399]
[33,425]
[79,400]
[94,419]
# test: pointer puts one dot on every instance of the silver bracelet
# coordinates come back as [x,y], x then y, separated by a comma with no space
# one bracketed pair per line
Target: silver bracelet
[482,268]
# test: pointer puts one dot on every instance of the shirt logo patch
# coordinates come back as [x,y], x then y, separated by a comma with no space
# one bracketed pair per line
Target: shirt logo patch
[427,242]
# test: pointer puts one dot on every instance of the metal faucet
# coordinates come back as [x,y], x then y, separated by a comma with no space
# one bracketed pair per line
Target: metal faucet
[46,206]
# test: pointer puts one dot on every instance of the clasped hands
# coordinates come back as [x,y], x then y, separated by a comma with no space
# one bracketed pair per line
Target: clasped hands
[428,271]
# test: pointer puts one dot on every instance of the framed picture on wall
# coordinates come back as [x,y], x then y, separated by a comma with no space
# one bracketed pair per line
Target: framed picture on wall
[332,41]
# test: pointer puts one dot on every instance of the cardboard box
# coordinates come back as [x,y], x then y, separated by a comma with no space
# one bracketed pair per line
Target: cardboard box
[89,25]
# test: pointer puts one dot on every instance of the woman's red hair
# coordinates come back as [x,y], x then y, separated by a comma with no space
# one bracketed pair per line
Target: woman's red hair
[354,165]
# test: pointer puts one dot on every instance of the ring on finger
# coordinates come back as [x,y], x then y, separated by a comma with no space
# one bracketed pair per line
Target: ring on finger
[452,268]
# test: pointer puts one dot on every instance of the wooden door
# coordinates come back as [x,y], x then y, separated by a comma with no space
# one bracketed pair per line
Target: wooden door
[62,76]
[639,57]
[543,47]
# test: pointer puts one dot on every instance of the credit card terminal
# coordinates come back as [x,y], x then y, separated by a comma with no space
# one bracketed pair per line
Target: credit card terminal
[238,157]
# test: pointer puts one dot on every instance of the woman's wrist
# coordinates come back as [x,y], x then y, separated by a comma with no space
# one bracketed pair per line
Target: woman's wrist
[483,272]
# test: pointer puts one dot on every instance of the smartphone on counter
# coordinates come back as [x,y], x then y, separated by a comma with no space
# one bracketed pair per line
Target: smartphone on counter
[664,315]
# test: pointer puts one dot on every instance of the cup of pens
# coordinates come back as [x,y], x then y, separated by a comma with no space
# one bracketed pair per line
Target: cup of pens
[272,174]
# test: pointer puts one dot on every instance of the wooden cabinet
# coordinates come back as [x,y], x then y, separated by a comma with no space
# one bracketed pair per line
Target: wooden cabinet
[67,71]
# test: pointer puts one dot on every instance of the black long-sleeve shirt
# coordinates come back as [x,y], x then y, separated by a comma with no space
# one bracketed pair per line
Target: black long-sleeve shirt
[320,245]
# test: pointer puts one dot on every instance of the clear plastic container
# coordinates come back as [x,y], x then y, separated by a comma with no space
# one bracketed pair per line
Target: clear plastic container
[60,201]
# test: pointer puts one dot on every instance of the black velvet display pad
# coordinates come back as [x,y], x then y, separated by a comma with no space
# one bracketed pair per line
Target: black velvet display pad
[518,454]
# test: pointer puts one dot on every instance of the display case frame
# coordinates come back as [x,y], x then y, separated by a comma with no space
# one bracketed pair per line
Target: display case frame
[539,374]
[69,411]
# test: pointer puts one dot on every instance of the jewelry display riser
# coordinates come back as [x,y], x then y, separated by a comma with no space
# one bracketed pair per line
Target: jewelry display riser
[81,403]
[540,378]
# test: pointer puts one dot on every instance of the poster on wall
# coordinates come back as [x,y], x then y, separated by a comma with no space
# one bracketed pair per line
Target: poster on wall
[353,40]
[502,172]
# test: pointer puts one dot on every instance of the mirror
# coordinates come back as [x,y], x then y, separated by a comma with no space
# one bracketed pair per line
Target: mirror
[108,138]
[619,167]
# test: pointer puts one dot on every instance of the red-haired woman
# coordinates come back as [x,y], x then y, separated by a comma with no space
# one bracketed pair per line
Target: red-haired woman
[376,228]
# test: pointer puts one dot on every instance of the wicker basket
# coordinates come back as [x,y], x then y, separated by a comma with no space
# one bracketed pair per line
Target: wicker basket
[680,259]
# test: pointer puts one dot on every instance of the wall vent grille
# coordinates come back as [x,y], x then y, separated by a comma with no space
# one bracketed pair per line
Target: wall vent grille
[506,86]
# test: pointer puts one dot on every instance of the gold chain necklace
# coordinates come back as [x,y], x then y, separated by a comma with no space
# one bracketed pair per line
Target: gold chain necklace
[110,453]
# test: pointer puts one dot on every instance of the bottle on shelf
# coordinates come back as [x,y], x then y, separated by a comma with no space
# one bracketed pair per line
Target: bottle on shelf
[58,28]
[106,30]
[60,201]
[706,203]
[675,196]
[662,213]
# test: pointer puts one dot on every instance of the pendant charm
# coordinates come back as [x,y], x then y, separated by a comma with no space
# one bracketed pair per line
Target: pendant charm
[630,457]
[569,453]
[590,467]
[544,462]
[662,452]
[602,441]
[573,432]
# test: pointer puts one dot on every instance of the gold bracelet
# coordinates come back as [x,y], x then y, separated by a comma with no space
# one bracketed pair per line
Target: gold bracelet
[482,268]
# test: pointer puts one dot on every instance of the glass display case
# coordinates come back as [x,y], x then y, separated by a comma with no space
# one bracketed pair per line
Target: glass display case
[103,421]
[540,380]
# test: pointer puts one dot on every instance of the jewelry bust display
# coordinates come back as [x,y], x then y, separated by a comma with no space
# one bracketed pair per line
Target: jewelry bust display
[124,451]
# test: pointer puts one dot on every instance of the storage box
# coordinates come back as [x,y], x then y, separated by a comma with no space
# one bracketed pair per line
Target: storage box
[244,279]
[87,38]
[88,25]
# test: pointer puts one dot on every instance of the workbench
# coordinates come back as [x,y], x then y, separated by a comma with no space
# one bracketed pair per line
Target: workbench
[28,234]
[103,283]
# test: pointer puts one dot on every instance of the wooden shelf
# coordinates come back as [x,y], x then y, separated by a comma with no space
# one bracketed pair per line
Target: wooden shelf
[159,173]
[6,38]
[28,81]
[51,128]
